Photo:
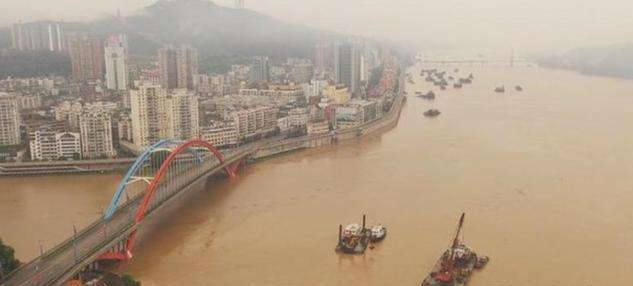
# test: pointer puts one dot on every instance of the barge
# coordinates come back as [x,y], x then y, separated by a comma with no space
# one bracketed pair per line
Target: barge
[456,265]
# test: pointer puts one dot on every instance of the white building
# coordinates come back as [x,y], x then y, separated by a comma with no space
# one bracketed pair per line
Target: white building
[182,115]
[116,66]
[220,135]
[96,135]
[156,115]
[68,145]
[148,115]
[9,120]
[254,121]
[49,145]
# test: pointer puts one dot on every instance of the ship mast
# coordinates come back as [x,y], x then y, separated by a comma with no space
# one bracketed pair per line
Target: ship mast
[449,264]
[459,230]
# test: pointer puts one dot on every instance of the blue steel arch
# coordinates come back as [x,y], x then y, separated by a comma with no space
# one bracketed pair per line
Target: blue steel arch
[130,173]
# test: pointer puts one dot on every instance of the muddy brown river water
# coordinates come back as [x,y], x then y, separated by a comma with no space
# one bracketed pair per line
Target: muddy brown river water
[545,177]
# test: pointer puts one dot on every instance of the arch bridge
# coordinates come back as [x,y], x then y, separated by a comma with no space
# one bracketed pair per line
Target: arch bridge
[164,171]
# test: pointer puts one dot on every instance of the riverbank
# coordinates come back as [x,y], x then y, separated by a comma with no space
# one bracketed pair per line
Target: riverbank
[267,149]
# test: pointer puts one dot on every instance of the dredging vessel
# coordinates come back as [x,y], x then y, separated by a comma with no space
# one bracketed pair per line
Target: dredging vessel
[355,238]
[456,265]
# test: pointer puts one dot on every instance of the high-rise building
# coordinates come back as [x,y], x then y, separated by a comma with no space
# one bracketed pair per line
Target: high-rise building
[86,55]
[177,66]
[347,66]
[260,70]
[148,115]
[9,120]
[182,113]
[96,135]
[167,67]
[116,63]
[322,58]
[187,61]
[35,36]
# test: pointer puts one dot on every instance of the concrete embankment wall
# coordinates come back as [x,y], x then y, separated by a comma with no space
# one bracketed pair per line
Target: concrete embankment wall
[387,122]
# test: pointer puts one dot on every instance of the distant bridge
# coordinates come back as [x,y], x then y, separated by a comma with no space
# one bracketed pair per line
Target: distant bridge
[511,61]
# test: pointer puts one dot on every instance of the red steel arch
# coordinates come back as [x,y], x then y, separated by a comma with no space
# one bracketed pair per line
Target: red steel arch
[151,189]
[153,186]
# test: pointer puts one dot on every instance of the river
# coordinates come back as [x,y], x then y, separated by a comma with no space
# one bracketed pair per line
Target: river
[544,177]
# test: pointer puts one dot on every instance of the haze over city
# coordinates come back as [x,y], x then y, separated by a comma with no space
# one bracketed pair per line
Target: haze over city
[278,142]
[528,26]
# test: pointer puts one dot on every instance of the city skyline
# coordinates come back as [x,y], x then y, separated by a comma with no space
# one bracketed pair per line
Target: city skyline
[490,24]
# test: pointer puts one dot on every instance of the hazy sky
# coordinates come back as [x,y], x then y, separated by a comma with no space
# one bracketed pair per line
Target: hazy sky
[525,25]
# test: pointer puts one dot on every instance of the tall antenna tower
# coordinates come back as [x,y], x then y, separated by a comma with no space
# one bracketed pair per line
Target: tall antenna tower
[239,4]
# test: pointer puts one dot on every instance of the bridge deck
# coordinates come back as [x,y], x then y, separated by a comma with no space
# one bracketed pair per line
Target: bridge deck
[62,262]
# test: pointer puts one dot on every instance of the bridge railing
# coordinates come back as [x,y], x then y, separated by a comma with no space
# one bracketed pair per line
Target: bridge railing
[83,245]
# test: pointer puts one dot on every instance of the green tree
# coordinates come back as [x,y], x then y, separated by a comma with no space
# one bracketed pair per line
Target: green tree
[128,280]
[8,262]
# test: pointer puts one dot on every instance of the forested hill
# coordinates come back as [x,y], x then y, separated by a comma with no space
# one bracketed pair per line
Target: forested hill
[223,36]
[211,28]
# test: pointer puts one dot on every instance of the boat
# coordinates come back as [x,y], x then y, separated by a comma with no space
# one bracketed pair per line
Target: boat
[353,238]
[456,264]
[378,233]
[442,87]
[432,113]
[457,85]
[500,89]
[518,88]
[429,95]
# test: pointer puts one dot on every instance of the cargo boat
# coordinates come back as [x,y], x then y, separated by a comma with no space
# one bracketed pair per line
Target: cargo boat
[353,238]
[456,265]
[432,113]
[429,95]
